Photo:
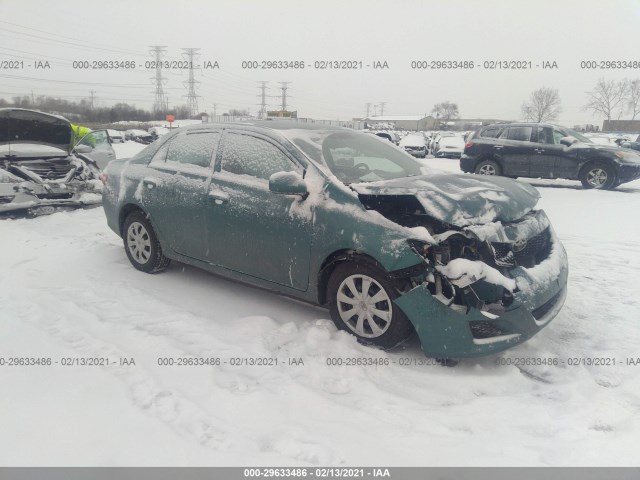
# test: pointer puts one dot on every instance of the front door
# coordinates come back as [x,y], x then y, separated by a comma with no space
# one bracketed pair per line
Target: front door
[252,230]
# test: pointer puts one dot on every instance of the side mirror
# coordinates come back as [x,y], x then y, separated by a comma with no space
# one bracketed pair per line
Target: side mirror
[568,141]
[288,183]
[83,148]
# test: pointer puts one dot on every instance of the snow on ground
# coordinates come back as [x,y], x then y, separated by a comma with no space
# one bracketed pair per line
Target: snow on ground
[67,290]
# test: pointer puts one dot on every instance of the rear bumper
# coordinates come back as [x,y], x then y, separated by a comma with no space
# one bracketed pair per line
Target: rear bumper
[467,164]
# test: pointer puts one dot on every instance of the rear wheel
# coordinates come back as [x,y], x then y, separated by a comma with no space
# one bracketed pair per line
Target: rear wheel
[361,302]
[488,167]
[598,175]
[142,245]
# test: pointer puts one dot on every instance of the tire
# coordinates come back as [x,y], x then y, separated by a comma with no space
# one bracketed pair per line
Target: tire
[142,245]
[488,167]
[598,175]
[388,326]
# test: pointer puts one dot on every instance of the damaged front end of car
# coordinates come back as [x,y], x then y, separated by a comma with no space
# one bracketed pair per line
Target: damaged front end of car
[46,185]
[38,174]
[479,288]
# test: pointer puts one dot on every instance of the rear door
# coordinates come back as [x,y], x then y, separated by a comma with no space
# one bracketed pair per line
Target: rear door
[252,230]
[174,191]
[514,149]
[544,154]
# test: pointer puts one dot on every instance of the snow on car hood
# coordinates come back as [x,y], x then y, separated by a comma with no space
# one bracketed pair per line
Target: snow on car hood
[459,199]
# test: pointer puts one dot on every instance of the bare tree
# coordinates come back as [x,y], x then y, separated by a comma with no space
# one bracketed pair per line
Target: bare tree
[446,110]
[608,98]
[633,98]
[543,105]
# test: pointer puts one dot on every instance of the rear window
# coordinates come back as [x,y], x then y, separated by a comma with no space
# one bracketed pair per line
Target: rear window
[490,132]
[522,134]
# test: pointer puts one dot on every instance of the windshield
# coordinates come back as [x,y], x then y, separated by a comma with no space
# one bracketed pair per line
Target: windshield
[358,158]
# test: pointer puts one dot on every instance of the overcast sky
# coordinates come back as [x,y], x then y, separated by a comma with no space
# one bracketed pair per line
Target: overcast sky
[230,32]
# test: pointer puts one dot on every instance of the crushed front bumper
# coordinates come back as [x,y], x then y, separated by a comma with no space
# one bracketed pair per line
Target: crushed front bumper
[28,195]
[447,333]
[628,172]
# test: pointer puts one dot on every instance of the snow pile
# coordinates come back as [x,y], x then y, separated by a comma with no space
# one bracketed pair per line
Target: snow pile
[463,272]
[67,290]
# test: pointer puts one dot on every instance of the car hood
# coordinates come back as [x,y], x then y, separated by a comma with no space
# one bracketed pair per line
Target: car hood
[20,128]
[459,199]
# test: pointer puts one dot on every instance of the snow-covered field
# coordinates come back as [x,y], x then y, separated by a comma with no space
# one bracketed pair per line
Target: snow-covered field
[67,291]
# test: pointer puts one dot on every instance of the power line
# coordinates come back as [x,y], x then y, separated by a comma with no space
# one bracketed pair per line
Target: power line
[84,41]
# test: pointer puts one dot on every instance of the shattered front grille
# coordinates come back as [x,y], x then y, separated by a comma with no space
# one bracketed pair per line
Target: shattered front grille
[48,170]
[483,329]
[535,250]
[528,254]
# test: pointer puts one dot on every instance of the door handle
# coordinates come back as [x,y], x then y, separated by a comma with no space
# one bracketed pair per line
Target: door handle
[538,150]
[150,182]
[498,147]
[218,197]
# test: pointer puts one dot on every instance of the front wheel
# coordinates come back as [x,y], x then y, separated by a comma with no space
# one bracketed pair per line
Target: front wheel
[598,175]
[488,167]
[361,303]
[142,245]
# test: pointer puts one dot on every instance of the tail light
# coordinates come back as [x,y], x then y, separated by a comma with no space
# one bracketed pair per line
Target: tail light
[468,145]
[104,178]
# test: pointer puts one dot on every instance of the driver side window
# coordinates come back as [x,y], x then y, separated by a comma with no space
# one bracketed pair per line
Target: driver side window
[557,135]
[248,155]
[546,136]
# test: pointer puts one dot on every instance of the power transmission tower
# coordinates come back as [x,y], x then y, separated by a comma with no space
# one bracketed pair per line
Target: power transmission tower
[382,104]
[160,102]
[192,98]
[92,98]
[368,108]
[263,104]
[284,89]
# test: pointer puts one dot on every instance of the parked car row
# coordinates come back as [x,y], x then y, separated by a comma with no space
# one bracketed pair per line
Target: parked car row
[540,150]
[137,135]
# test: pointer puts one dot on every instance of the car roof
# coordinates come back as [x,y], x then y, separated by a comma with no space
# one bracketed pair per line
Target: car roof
[523,124]
[267,124]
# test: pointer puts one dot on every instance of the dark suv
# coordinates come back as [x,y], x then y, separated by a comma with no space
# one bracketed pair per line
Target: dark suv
[541,150]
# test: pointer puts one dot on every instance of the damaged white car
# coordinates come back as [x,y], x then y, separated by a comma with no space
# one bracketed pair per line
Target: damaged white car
[40,172]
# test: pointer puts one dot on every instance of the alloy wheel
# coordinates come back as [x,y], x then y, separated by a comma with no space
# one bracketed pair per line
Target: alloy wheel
[597,177]
[487,170]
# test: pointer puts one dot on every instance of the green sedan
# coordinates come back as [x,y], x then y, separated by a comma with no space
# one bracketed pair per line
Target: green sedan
[345,220]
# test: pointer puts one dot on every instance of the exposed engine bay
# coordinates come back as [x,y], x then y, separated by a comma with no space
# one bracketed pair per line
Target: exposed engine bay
[468,267]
